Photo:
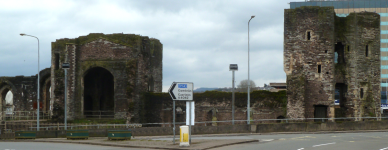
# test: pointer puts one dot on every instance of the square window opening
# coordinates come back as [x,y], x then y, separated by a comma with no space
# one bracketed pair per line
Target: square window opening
[319,68]
[361,92]
[56,61]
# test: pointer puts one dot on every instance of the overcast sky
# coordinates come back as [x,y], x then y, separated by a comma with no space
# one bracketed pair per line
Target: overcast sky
[200,37]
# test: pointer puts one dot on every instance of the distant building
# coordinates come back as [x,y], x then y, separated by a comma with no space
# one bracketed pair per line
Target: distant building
[278,87]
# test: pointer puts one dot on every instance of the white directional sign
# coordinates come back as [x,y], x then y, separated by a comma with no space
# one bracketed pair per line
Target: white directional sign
[181,91]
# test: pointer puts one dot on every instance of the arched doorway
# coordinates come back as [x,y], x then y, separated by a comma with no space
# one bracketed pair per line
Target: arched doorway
[98,93]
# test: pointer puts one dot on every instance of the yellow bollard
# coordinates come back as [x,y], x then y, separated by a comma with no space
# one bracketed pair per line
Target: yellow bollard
[184,136]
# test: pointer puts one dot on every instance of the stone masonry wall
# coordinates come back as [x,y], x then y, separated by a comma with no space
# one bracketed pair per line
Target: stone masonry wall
[305,86]
[358,32]
[313,37]
[214,106]
[126,57]
[23,90]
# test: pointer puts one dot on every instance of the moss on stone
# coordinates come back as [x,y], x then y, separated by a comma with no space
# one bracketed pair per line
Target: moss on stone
[340,69]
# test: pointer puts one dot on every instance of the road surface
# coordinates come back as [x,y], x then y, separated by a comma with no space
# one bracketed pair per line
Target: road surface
[330,141]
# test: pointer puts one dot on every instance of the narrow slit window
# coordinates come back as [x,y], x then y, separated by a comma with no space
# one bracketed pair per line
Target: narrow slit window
[366,50]
[319,68]
[361,92]
[347,48]
[308,36]
[56,61]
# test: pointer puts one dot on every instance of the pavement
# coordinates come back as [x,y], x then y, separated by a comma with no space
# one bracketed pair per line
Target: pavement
[147,142]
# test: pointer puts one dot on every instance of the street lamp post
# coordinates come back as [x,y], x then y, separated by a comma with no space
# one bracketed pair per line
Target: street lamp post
[249,81]
[37,109]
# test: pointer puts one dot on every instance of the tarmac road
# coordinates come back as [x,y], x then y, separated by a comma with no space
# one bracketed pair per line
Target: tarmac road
[330,141]
[56,146]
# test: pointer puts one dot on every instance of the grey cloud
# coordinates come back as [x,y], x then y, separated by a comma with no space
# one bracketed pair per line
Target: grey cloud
[200,38]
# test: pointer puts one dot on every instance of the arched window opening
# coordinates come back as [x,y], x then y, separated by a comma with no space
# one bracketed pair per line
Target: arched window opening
[98,93]
[9,103]
[49,106]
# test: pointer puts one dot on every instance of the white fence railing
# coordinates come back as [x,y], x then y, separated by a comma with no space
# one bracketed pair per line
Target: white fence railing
[24,115]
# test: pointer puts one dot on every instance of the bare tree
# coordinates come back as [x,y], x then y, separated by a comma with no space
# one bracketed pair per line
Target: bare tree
[243,86]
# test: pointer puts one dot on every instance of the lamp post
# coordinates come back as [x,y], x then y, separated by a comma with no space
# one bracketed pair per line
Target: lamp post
[37,109]
[233,67]
[249,81]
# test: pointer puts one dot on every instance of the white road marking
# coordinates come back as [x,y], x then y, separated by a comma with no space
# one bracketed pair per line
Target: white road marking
[300,148]
[267,140]
[384,148]
[323,144]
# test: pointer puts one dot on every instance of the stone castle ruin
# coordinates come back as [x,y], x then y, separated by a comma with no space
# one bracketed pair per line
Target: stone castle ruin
[106,76]
[119,76]
[323,54]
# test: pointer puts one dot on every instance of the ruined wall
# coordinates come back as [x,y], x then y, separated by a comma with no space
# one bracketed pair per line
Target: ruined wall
[127,57]
[313,37]
[359,34]
[305,86]
[214,106]
[23,90]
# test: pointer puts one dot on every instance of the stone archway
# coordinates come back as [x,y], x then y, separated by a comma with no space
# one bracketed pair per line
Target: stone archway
[6,106]
[46,95]
[98,93]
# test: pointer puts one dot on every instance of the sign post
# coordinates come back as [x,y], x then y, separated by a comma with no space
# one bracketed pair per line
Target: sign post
[65,66]
[181,91]
[233,67]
